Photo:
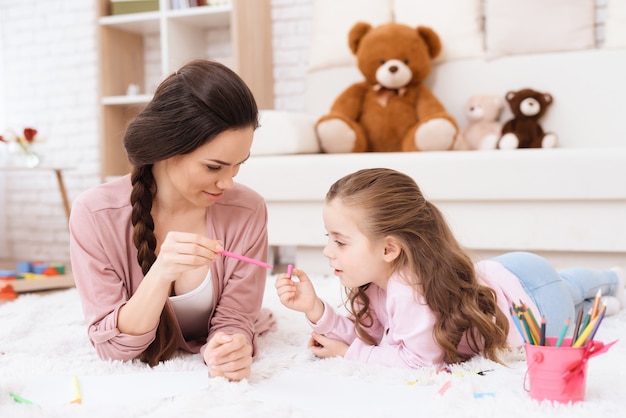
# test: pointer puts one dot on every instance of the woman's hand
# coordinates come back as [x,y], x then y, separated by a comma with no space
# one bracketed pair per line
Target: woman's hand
[324,347]
[228,356]
[183,251]
[299,295]
[179,252]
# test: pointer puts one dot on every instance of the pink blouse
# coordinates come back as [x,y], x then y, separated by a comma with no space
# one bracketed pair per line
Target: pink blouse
[106,272]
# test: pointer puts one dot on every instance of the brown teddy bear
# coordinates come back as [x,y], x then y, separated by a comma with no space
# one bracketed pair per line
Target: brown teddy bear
[483,129]
[524,130]
[391,110]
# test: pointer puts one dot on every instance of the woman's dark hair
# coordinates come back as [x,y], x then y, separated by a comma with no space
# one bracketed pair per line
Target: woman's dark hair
[189,108]
[431,260]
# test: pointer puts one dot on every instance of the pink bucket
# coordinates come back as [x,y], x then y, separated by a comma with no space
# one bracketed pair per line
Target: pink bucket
[546,367]
[560,373]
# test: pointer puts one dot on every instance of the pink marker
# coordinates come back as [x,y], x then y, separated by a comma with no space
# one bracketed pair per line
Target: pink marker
[246,259]
[289,269]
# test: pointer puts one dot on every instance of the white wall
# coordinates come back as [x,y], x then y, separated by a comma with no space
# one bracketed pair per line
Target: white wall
[49,66]
[50,78]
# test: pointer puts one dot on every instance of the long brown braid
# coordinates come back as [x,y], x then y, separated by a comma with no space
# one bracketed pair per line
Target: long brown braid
[437,267]
[189,108]
[144,189]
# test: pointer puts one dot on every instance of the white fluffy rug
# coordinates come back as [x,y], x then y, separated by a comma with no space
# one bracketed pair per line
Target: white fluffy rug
[43,344]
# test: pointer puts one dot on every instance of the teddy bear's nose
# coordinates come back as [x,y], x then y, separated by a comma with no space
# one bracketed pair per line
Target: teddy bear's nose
[393,69]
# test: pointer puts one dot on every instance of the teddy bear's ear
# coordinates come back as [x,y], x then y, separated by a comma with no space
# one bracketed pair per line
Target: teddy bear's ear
[357,33]
[498,101]
[547,97]
[432,40]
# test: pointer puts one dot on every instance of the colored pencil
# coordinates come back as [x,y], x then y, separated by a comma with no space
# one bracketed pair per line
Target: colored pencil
[246,259]
[529,334]
[542,333]
[586,320]
[19,399]
[532,322]
[532,325]
[579,321]
[596,304]
[78,397]
[563,333]
[517,323]
[600,318]
[582,339]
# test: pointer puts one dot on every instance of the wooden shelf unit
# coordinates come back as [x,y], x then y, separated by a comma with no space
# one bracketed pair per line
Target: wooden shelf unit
[182,37]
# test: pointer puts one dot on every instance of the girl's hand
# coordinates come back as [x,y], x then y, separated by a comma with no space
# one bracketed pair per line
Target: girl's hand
[182,251]
[324,347]
[228,356]
[299,295]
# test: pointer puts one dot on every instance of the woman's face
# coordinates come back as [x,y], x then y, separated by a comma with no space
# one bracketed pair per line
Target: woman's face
[201,177]
[355,258]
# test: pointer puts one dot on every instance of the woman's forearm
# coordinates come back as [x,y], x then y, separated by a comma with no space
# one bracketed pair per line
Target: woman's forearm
[142,312]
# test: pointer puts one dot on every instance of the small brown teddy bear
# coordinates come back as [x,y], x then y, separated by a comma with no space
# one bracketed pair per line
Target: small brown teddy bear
[391,110]
[524,130]
[483,129]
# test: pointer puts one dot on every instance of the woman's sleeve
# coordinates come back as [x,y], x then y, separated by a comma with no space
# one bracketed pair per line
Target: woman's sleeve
[237,309]
[101,289]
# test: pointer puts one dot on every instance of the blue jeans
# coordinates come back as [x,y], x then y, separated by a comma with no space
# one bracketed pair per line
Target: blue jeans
[558,295]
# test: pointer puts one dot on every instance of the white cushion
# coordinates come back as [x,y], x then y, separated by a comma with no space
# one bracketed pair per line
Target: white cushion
[535,26]
[332,21]
[615,24]
[457,22]
[284,132]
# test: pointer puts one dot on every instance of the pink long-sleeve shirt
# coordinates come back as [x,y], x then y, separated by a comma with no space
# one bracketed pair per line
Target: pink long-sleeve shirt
[403,325]
[106,271]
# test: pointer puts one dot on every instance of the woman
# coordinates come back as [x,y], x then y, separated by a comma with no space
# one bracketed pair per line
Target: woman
[145,248]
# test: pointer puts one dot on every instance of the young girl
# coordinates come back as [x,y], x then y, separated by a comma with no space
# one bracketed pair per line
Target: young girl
[145,248]
[414,297]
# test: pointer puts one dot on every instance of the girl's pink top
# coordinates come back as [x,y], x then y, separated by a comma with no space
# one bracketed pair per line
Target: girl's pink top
[403,325]
[106,271]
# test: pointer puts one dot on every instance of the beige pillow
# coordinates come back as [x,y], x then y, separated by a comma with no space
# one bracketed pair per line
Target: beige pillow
[615,24]
[284,132]
[332,20]
[535,26]
[457,22]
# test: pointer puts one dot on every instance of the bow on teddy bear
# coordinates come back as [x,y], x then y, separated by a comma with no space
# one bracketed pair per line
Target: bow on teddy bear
[391,110]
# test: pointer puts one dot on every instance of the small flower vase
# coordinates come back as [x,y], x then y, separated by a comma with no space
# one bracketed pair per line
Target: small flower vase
[23,155]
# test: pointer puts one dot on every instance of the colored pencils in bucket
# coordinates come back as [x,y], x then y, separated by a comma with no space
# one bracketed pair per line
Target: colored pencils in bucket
[563,333]
[535,334]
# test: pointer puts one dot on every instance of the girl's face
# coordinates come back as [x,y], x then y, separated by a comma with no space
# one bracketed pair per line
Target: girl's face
[201,177]
[355,258]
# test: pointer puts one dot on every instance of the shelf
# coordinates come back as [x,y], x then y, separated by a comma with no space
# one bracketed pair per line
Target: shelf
[140,23]
[140,99]
[149,22]
[144,48]
[203,17]
[46,283]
